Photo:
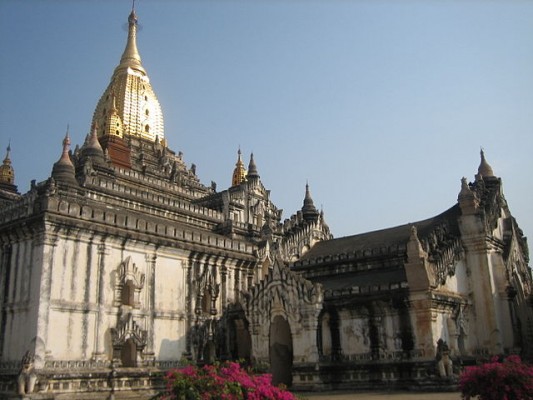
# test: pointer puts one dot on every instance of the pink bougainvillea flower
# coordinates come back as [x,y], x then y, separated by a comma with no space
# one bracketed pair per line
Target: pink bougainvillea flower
[228,381]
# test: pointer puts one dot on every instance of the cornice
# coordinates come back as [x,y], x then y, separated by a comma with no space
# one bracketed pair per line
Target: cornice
[185,238]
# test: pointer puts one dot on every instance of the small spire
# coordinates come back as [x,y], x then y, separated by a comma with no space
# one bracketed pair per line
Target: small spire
[467,198]
[63,170]
[415,251]
[252,168]
[414,233]
[7,173]
[113,123]
[307,193]
[239,173]
[309,210]
[484,169]
[7,159]
[465,190]
[65,157]
[93,138]
[113,102]
[92,147]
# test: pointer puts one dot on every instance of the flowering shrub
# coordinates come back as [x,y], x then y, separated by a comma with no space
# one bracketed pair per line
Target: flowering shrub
[228,381]
[508,380]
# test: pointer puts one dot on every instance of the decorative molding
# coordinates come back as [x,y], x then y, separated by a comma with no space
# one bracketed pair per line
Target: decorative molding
[128,329]
[283,292]
[128,271]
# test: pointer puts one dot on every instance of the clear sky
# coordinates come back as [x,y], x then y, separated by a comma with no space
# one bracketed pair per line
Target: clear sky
[381,105]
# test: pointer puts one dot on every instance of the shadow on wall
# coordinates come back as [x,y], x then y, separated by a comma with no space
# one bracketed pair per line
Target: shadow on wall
[108,343]
[171,349]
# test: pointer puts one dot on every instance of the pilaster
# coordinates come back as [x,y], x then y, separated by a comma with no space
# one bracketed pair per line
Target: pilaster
[223,283]
[103,282]
[485,297]
[189,304]
[5,267]
[150,304]
[43,252]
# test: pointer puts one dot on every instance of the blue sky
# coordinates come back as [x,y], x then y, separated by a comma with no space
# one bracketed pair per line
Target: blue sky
[381,105]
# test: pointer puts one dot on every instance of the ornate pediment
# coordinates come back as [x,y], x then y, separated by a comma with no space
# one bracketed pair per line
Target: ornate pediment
[128,284]
[283,292]
[128,328]
[444,249]
[207,291]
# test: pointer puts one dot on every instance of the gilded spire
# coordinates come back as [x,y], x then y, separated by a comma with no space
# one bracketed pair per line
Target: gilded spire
[239,173]
[7,173]
[113,123]
[129,106]
[114,108]
[131,57]
[485,170]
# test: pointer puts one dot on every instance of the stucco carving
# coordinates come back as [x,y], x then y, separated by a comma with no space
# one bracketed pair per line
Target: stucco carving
[27,377]
[129,277]
[287,294]
[444,362]
[207,291]
[444,250]
[126,329]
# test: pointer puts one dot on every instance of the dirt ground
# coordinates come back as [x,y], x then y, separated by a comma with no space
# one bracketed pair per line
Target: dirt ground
[381,396]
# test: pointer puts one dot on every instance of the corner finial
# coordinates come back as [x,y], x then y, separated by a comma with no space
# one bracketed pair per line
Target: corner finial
[484,169]
[252,168]
[66,143]
[93,146]
[309,210]
[467,198]
[8,151]
[465,192]
[63,169]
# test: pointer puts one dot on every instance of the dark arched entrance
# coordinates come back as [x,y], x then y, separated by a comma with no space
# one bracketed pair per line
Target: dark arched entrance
[281,351]
[243,341]
[238,340]
[128,353]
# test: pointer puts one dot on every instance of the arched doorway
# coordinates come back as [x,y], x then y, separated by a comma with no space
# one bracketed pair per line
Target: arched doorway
[281,351]
[237,341]
[243,345]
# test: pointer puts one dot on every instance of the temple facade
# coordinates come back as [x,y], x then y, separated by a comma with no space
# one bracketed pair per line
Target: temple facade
[122,264]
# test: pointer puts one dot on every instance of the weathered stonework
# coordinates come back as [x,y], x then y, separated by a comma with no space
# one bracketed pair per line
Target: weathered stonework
[122,263]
